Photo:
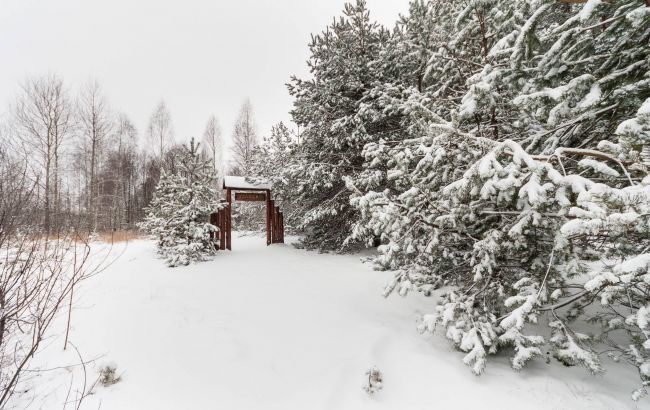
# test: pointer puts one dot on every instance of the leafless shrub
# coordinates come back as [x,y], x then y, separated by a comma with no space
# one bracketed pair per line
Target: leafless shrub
[108,375]
[38,273]
[36,278]
[375,381]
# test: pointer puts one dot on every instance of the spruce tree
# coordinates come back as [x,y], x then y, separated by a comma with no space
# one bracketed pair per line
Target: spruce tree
[333,137]
[270,161]
[178,215]
[499,151]
[519,171]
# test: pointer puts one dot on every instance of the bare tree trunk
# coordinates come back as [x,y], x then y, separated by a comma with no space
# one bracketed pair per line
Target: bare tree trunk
[244,140]
[46,194]
[42,115]
[95,126]
[160,130]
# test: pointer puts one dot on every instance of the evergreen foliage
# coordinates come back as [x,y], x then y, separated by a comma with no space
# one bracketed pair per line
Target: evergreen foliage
[270,161]
[500,153]
[326,108]
[179,212]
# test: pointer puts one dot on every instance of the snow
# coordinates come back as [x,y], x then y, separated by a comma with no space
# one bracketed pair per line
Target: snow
[280,328]
[588,9]
[244,183]
[598,166]
[630,126]
[645,107]
[638,16]
[638,263]
[592,98]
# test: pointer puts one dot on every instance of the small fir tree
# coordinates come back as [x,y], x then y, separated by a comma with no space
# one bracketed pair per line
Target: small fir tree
[179,212]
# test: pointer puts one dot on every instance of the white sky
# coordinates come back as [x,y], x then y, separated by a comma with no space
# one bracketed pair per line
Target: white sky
[202,57]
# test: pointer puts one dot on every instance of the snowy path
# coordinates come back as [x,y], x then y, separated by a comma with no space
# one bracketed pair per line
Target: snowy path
[280,328]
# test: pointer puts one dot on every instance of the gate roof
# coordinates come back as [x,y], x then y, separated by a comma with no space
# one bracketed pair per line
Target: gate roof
[245,183]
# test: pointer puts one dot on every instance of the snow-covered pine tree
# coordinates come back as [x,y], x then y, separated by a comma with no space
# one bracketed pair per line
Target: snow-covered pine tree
[518,235]
[453,42]
[399,104]
[332,136]
[443,83]
[273,154]
[270,160]
[178,216]
[498,149]
[586,72]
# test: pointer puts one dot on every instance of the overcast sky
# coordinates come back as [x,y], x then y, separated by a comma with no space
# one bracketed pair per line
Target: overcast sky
[202,57]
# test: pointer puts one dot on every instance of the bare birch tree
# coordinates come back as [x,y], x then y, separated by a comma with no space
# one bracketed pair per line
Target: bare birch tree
[94,128]
[124,164]
[160,132]
[213,146]
[244,140]
[42,115]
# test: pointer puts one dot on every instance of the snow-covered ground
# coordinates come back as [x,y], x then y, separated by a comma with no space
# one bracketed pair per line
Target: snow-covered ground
[281,328]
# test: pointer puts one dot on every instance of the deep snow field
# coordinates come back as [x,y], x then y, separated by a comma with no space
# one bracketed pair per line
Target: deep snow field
[281,328]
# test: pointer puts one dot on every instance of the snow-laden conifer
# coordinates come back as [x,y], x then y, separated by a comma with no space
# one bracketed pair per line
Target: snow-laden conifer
[332,135]
[178,216]
[520,182]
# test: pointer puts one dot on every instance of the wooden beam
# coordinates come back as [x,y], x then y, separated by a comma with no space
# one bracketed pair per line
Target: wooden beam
[272,219]
[229,220]
[247,189]
[222,229]
[268,217]
[277,224]
[274,228]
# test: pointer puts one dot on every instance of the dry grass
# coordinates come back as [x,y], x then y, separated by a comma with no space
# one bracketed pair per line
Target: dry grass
[108,236]
[119,236]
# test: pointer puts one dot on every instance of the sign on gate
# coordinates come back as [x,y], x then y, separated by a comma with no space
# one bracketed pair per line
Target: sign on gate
[249,196]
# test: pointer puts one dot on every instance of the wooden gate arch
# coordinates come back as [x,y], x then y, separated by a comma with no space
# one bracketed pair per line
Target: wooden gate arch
[247,190]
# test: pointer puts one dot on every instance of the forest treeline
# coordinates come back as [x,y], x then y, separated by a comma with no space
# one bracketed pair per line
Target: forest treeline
[86,167]
[498,153]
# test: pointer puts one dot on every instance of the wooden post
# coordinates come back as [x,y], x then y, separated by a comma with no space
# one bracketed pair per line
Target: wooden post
[229,228]
[272,221]
[222,229]
[268,217]
[214,220]
[277,225]
[229,220]
[218,225]
[281,230]
[274,228]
